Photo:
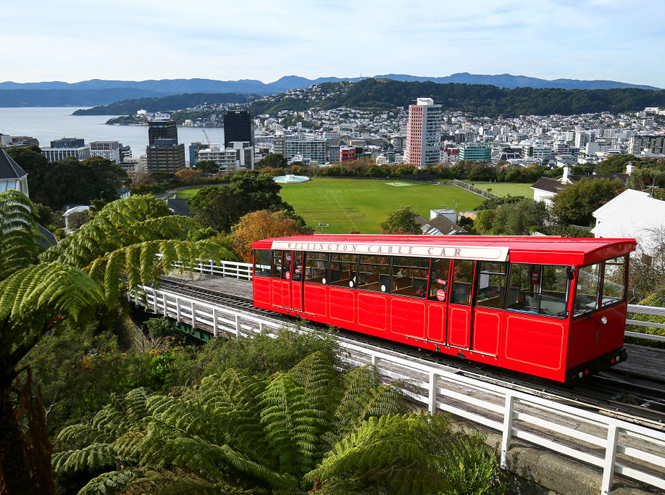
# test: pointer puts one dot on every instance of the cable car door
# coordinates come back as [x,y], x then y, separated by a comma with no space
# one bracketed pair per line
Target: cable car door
[459,305]
[297,276]
[281,281]
[437,300]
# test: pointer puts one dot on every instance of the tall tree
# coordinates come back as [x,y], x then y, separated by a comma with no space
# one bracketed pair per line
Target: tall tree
[262,224]
[116,251]
[401,221]
[305,430]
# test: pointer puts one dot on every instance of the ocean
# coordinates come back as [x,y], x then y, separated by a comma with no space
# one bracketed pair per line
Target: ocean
[50,123]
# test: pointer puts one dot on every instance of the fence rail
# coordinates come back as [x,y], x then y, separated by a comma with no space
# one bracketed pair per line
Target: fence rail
[473,189]
[243,271]
[612,445]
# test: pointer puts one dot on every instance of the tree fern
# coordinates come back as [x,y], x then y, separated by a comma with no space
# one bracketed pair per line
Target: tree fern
[110,483]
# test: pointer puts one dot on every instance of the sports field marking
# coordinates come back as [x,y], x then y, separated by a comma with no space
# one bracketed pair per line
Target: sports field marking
[399,184]
[340,205]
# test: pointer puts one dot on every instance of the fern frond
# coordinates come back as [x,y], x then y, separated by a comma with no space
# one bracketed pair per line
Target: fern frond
[93,456]
[110,483]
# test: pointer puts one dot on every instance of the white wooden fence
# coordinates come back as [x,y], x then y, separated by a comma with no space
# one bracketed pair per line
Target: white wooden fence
[612,445]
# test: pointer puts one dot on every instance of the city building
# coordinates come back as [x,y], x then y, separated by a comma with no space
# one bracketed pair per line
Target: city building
[312,150]
[194,149]
[238,127]
[347,153]
[653,145]
[66,147]
[165,155]
[477,152]
[161,129]
[106,149]
[225,158]
[423,133]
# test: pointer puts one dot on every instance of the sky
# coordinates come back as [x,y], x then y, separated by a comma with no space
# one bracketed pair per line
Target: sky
[74,40]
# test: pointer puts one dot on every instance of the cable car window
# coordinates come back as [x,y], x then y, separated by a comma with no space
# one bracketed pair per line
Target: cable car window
[374,273]
[491,284]
[316,268]
[538,289]
[343,270]
[438,284]
[276,270]
[588,287]
[462,282]
[297,266]
[262,258]
[410,276]
[614,281]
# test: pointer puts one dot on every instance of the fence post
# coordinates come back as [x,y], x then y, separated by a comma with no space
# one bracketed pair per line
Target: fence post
[193,315]
[237,325]
[177,308]
[166,311]
[610,458]
[375,360]
[507,429]
[215,331]
[154,300]
[432,392]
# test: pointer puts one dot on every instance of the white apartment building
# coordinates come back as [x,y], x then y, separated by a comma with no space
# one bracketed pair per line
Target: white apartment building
[106,149]
[55,154]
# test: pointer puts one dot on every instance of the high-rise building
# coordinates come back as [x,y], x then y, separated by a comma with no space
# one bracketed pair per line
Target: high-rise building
[161,128]
[165,155]
[423,133]
[238,127]
[66,147]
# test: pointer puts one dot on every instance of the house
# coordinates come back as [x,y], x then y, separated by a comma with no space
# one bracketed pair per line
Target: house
[633,214]
[544,189]
[12,176]
[441,222]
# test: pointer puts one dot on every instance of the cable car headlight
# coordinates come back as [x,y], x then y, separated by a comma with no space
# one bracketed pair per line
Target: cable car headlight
[383,288]
[351,283]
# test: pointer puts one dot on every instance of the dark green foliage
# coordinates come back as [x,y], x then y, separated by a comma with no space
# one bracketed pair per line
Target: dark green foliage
[308,429]
[208,167]
[513,216]
[615,164]
[68,181]
[221,207]
[494,203]
[576,202]
[478,99]
[273,160]
[401,221]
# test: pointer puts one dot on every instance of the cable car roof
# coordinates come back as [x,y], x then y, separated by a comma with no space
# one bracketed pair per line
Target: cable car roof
[527,249]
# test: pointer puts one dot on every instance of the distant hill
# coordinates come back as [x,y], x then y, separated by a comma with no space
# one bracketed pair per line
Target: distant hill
[102,92]
[165,104]
[478,99]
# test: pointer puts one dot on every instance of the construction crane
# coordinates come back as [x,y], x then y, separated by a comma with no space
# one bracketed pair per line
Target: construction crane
[206,135]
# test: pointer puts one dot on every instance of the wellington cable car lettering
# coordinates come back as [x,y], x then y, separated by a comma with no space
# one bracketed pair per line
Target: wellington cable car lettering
[489,253]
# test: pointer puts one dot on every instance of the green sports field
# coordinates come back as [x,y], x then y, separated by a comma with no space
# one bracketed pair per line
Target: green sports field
[505,188]
[352,204]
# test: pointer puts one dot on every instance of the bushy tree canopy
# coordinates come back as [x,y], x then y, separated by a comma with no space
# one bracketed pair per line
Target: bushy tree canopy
[401,221]
[575,203]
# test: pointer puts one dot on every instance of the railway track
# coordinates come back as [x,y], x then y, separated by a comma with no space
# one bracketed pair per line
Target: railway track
[614,394]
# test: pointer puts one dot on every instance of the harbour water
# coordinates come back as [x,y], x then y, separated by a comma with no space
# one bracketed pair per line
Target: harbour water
[50,123]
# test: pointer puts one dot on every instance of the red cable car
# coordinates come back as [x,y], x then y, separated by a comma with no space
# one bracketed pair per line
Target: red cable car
[547,306]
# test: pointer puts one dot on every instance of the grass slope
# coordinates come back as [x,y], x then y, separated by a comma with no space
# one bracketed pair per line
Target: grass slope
[352,204]
[504,188]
